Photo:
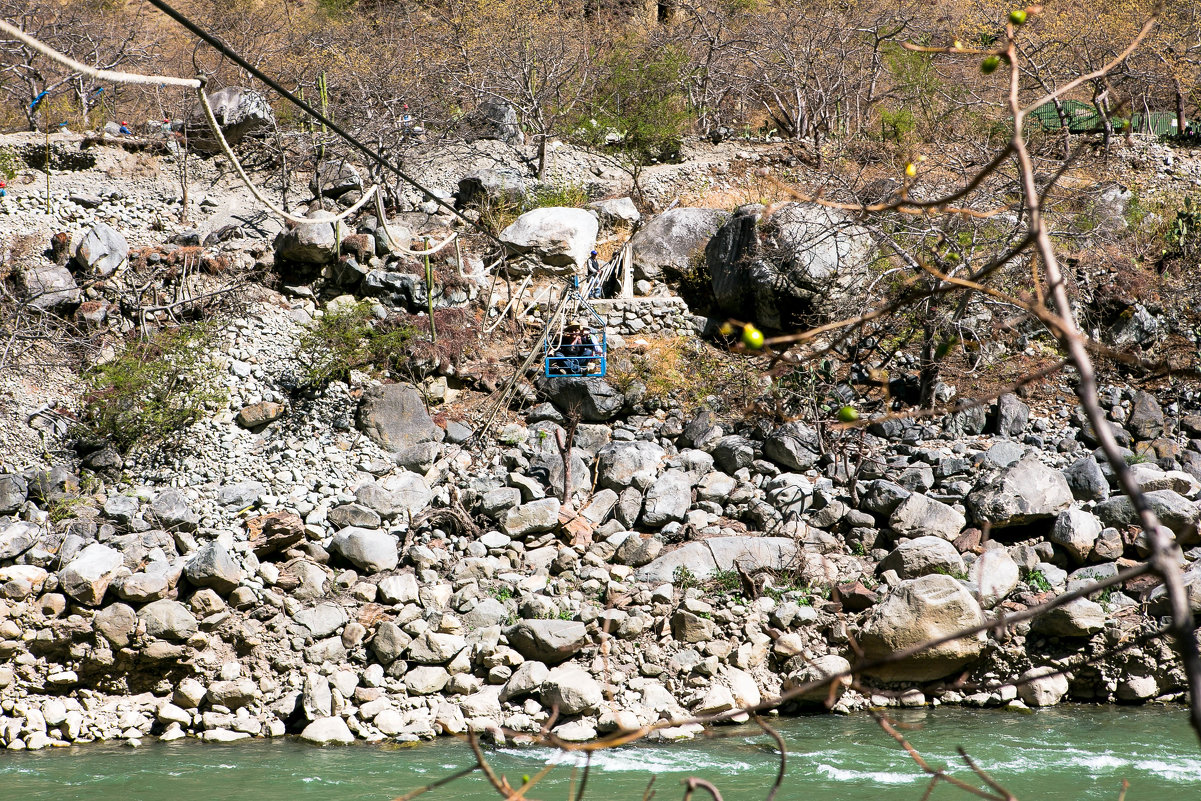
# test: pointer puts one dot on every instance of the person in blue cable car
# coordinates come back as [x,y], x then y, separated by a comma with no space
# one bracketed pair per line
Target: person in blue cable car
[578,351]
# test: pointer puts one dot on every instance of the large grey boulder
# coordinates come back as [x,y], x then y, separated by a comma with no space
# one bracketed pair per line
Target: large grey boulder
[705,557]
[122,508]
[1012,416]
[315,242]
[526,680]
[918,611]
[327,731]
[115,623]
[170,510]
[17,538]
[547,641]
[620,464]
[241,494]
[882,497]
[399,494]
[594,399]
[1076,531]
[1146,417]
[168,620]
[548,469]
[1042,686]
[818,670]
[1086,479]
[667,499]
[143,586]
[389,642]
[496,119]
[426,679]
[1173,510]
[572,690]
[213,567]
[49,288]
[87,576]
[498,185]
[239,113]
[637,550]
[233,694]
[671,241]
[1021,494]
[794,445]
[435,648]
[803,259]
[733,452]
[994,575]
[923,556]
[534,517]
[102,250]
[14,489]
[1078,618]
[322,620]
[370,550]
[559,237]
[394,417]
[690,627]
[335,178]
[616,211]
[789,493]
[921,516]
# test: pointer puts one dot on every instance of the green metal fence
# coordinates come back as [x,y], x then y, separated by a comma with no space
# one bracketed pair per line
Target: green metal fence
[1083,118]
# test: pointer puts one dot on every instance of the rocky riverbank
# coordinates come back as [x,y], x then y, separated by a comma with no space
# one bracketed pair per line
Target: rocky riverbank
[352,563]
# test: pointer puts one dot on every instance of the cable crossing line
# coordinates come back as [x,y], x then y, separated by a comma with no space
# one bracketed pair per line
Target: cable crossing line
[372,154]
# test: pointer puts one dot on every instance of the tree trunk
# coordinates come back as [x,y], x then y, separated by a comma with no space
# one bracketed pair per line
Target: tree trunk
[1180,121]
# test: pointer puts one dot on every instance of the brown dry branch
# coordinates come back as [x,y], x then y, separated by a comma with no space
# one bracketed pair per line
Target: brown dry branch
[692,784]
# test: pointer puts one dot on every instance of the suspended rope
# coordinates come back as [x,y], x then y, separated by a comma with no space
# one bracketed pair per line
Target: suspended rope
[259,196]
[503,398]
[432,250]
[198,85]
[92,72]
[369,152]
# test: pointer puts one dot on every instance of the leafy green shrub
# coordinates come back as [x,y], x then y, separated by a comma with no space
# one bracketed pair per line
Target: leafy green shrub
[498,214]
[156,387]
[10,162]
[1038,581]
[569,195]
[1184,235]
[640,111]
[347,339]
[687,372]
[897,126]
[726,582]
[684,578]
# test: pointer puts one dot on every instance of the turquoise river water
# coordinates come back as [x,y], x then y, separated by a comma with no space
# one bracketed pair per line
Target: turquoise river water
[1061,754]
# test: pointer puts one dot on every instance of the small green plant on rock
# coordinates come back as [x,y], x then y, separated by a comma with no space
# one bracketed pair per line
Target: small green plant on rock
[10,163]
[684,579]
[949,571]
[154,388]
[1038,581]
[726,582]
[64,508]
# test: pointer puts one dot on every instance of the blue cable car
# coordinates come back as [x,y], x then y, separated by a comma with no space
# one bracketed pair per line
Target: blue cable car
[574,351]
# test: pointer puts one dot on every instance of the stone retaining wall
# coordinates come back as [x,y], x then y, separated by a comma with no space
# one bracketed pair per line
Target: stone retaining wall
[662,316]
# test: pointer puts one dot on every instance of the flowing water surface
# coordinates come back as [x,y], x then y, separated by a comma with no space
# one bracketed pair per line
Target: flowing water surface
[1061,754]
